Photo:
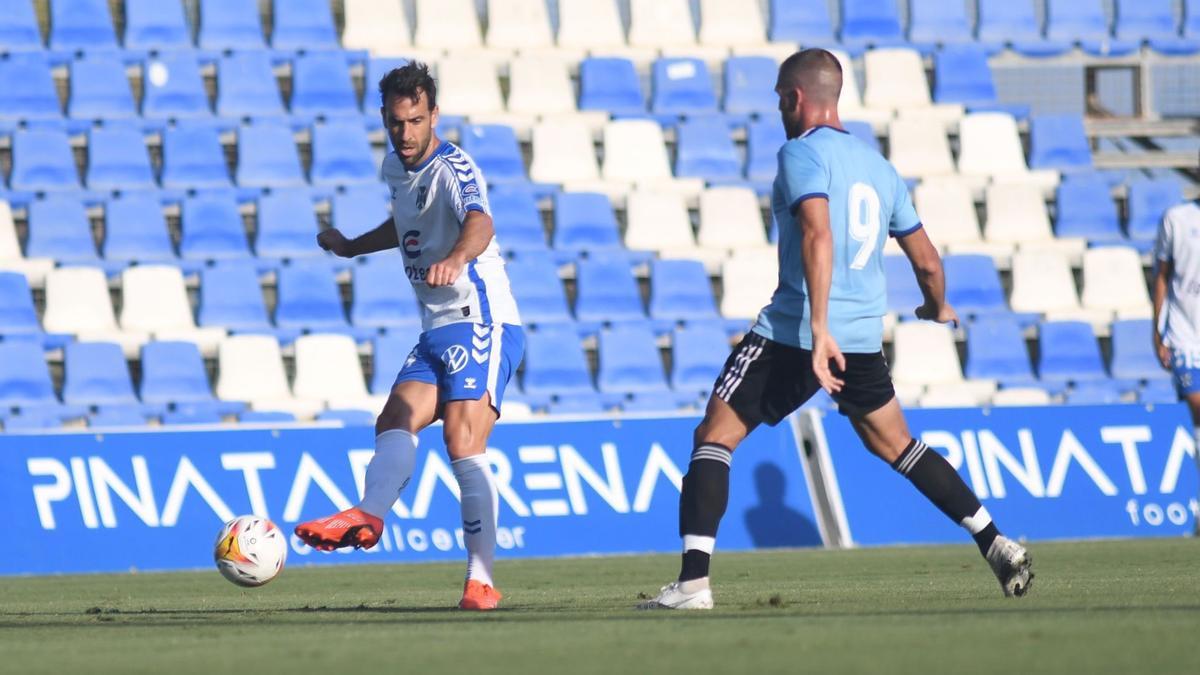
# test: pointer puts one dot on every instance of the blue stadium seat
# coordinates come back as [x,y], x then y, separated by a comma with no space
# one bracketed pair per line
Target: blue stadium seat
[996,351]
[1086,209]
[191,416]
[118,159]
[382,295]
[612,85]
[230,297]
[24,376]
[389,352]
[100,89]
[230,24]
[629,361]
[750,85]
[937,22]
[81,25]
[1158,392]
[19,28]
[135,229]
[42,160]
[581,403]
[154,24]
[341,154]
[517,219]
[682,86]
[584,221]
[108,418]
[554,362]
[699,350]
[246,85]
[538,290]
[1147,202]
[870,22]
[308,298]
[193,158]
[763,140]
[1069,353]
[1086,22]
[212,228]
[1015,22]
[96,374]
[303,24]
[1094,393]
[267,156]
[321,85]
[59,229]
[607,291]
[348,418]
[173,88]
[973,285]
[962,75]
[654,402]
[1191,19]
[495,149]
[360,208]
[1059,142]
[1133,356]
[1154,21]
[28,88]
[377,67]
[265,417]
[680,291]
[804,21]
[287,225]
[903,293]
[705,149]
[17,313]
[863,132]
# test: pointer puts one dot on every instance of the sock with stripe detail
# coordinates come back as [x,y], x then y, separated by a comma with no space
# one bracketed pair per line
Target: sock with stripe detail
[702,503]
[480,502]
[940,483]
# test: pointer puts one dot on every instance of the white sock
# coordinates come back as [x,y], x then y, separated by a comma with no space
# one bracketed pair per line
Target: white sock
[480,502]
[389,471]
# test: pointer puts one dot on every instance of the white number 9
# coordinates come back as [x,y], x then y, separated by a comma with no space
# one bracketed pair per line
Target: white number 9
[863,214]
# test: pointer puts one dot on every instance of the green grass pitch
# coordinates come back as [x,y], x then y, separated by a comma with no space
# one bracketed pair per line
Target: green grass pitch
[1118,606]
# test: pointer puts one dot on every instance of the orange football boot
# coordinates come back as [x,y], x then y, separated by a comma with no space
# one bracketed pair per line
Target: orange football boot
[352,527]
[479,596]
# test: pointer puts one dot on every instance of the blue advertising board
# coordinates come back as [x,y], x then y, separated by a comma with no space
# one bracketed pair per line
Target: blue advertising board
[155,500]
[1043,473]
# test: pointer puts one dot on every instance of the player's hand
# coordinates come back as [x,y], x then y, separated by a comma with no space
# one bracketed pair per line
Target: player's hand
[825,350]
[943,314]
[446,272]
[1163,352]
[335,242]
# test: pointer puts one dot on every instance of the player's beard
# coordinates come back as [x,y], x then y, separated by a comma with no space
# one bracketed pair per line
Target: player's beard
[420,148]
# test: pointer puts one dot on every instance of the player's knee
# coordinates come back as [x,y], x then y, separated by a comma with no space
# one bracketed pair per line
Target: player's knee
[708,432]
[461,441]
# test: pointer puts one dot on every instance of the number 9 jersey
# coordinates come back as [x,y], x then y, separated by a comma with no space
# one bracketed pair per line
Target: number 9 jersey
[865,195]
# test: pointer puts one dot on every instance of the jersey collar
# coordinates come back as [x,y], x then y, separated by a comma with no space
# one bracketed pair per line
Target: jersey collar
[442,147]
[822,126]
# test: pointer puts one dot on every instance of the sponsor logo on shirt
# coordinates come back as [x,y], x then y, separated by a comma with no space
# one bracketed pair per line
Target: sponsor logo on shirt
[411,243]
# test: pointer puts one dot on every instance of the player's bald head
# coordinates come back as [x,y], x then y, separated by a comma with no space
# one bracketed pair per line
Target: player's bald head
[815,72]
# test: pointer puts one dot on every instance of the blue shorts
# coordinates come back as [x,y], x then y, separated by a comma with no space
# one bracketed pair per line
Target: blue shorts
[1185,365]
[466,359]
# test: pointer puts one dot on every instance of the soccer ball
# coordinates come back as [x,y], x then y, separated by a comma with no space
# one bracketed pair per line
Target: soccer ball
[250,551]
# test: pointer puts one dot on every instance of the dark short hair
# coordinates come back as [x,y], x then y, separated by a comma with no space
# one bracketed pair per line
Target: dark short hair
[409,81]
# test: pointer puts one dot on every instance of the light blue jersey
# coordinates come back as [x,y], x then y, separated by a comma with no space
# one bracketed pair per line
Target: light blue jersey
[865,194]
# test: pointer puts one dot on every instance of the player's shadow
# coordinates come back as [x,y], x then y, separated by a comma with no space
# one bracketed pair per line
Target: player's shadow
[772,523]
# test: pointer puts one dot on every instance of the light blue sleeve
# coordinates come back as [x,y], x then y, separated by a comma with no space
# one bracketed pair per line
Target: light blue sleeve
[804,175]
[904,216]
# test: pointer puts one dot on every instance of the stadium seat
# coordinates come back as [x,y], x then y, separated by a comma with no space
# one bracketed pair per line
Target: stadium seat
[109,418]
[1015,22]
[230,24]
[17,314]
[267,156]
[193,158]
[919,149]
[42,160]
[540,86]
[250,369]
[321,85]
[518,24]
[212,228]
[308,298]
[78,302]
[1086,22]
[589,25]
[1113,281]
[173,373]
[610,84]
[1069,352]
[377,68]
[763,139]
[360,208]
[634,150]
[382,296]
[555,363]
[563,152]
[11,258]
[903,293]
[389,352]
[99,88]
[935,22]
[925,354]
[328,370]
[990,148]
[658,221]
[495,149]
[661,23]
[24,376]
[896,81]
[118,159]
[870,22]
[303,24]
[468,85]
[750,85]
[973,285]
[996,351]
[951,396]
[699,350]
[731,23]
[287,225]
[1133,357]
[607,291]
[28,88]
[538,290]
[349,418]
[1058,142]
[1085,209]
[191,416]
[518,221]
[1093,393]
[804,21]
[135,230]
[680,291]
[584,221]
[629,361]
[730,218]
[19,28]
[948,213]
[341,153]
[1016,214]
[267,417]
[59,229]
[155,301]
[447,24]
[247,86]
[230,297]
[172,87]
[682,86]
[153,24]
[1021,396]
[962,75]
[850,103]
[705,149]
[81,25]
[1158,392]
[1147,201]
[749,282]
[1042,283]
[377,26]
[96,375]
[1153,21]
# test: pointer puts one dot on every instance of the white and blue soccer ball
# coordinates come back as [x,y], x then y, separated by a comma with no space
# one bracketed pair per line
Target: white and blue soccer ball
[250,551]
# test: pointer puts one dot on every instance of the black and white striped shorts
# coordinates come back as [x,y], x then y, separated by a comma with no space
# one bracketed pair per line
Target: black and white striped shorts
[764,381]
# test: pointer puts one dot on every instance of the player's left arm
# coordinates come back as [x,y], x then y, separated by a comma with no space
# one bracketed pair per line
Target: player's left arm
[816,249]
[927,266]
[477,232]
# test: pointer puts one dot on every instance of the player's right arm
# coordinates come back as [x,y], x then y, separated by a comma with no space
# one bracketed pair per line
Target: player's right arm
[381,238]
[1164,269]
[927,266]
[816,249]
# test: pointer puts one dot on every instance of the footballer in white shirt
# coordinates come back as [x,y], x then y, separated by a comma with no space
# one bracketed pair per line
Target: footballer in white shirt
[1177,300]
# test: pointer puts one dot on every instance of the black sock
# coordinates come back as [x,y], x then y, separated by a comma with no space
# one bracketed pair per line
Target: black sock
[941,484]
[702,502]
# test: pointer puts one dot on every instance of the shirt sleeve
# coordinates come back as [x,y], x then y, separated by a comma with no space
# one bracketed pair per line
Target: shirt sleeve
[1164,244]
[904,216]
[803,174]
[465,185]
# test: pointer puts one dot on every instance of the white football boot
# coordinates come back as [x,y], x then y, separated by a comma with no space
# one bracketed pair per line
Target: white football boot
[672,596]
[1012,565]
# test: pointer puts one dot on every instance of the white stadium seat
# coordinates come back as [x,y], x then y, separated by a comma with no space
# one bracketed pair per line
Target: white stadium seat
[730,218]
[850,105]
[658,221]
[590,24]
[925,354]
[250,369]
[958,395]
[1042,283]
[948,214]
[447,24]
[1113,281]
[514,24]
[634,150]
[155,300]
[378,26]
[919,149]
[749,280]
[328,369]
[1017,215]
[34,269]
[731,23]
[896,81]
[468,85]
[540,87]
[667,25]
[990,149]
[563,152]
[77,302]
[1021,396]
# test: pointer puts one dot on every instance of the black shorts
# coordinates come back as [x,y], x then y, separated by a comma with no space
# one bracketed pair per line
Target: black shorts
[764,381]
